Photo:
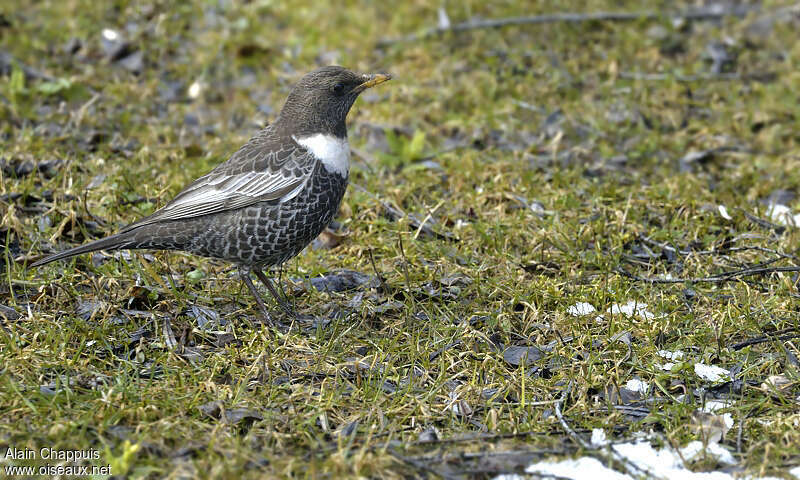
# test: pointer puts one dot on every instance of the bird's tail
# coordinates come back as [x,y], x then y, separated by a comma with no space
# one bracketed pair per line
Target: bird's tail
[114,242]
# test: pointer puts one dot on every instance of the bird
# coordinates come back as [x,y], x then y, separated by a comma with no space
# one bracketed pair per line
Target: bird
[271,198]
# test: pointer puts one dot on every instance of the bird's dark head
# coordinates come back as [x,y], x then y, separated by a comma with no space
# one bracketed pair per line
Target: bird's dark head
[319,102]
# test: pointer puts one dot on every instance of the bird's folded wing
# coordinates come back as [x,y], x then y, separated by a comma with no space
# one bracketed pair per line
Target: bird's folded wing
[249,177]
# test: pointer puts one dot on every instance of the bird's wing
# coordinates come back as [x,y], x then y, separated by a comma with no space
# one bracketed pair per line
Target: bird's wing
[264,169]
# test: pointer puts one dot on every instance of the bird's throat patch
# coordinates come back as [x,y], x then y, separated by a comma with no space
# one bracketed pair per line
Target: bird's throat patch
[332,151]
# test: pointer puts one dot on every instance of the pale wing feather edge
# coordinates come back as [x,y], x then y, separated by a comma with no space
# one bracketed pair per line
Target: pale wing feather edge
[218,192]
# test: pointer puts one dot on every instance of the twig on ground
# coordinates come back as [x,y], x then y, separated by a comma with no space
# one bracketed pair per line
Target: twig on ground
[755,76]
[543,451]
[485,437]
[485,466]
[418,465]
[377,273]
[639,412]
[720,278]
[757,265]
[8,62]
[569,431]
[169,336]
[780,335]
[405,261]
[94,217]
[76,118]
[745,248]
[712,13]
[779,229]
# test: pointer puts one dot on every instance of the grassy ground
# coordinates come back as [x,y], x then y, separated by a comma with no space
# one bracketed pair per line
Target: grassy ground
[555,172]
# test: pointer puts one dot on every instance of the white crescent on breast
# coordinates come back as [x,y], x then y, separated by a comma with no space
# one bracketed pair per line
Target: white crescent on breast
[332,151]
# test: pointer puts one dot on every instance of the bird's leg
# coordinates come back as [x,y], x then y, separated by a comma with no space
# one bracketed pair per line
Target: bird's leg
[281,284]
[282,302]
[245,274]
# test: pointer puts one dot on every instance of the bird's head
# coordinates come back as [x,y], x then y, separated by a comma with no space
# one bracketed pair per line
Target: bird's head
[320,101]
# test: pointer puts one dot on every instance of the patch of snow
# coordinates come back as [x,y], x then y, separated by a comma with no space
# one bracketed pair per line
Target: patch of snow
[194,90]
[694,449]
[713,406]
[647,461]
[795,471]
[584,467]
[782,214]
[667,463]
[661,463]
[444,19]
[724,212]
[658,463]
[110,35]
[666,354]
[631,309]
[538,208]
[637,385]
[712,373]
[580,309]
[667,367]
[599,438]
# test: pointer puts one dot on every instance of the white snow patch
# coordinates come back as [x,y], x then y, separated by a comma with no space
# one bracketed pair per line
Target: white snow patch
[584,467]
[637,385]
[667,367]
[659,463]
[664,462]
[444,19]
[194,90]
[783,215]
[580,309]
[712,373]
[110,35]
[599,438]
[667,355]
[724,212]
[714,406]
[631,309]
[667,463]
[795,471]
[695,449]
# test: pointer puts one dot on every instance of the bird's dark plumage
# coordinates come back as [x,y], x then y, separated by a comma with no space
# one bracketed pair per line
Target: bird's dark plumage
[269,199]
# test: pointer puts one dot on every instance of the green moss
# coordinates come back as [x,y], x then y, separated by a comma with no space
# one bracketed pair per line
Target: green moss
[545,210]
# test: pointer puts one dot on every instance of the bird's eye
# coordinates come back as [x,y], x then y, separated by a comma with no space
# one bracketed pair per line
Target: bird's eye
[338,89]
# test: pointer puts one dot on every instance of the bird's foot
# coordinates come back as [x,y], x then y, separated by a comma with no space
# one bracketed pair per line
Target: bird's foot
[282,302]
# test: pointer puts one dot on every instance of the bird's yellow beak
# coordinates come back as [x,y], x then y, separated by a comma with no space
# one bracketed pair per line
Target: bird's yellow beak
[372,80]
